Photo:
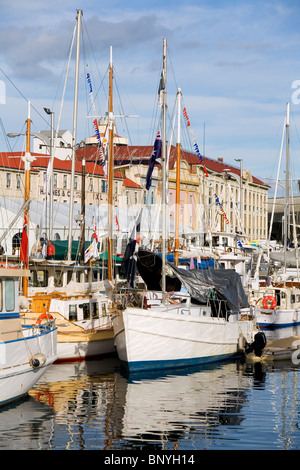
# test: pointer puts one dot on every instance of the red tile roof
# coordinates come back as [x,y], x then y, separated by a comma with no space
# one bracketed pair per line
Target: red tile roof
[122,155]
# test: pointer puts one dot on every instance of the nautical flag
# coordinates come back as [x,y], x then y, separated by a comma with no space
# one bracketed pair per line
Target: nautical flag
[90,90]
[104,149]
[95,236]
[117,222]
[95,123]
[128,265]
[91,251]
[161,87]
[24,242]
[156,153]
[102,145]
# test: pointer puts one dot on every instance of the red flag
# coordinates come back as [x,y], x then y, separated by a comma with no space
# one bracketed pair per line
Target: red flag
[24,242]
[95,236]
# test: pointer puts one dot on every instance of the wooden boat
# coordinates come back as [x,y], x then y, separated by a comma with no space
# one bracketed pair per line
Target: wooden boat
[26,351]
[81,313]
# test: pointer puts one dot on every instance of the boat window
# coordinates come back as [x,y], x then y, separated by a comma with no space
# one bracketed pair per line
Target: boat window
[225,241]
[95,310]
[73,312]
[86,311]
[104,312]
[58,279]
[9,295]
[69,276]
[38,278]
[215,241]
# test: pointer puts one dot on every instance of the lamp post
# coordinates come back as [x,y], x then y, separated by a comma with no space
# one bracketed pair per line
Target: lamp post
[50,175]
[241,191]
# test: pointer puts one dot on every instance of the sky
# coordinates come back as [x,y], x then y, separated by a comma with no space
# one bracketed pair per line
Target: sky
[236,62]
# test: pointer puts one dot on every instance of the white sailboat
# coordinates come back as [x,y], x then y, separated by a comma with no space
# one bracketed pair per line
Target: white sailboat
[277,304]
[26,351]
[183,333]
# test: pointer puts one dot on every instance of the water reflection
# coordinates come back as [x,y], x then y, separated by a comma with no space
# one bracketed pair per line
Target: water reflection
[93,405]
[26,424]
[166,408]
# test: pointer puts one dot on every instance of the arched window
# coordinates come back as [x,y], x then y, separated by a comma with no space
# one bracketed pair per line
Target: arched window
[16,241]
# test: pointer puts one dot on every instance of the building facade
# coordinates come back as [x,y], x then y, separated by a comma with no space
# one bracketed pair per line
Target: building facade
[214,196]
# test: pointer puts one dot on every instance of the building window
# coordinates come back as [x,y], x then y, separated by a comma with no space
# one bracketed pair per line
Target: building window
[75,182]
[135,197]
[91,185]
[55,180]
[127,198]
[103,186]
[8,180]
[18,181]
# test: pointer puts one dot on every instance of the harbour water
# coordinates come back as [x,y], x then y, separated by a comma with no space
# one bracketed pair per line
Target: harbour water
[93,405]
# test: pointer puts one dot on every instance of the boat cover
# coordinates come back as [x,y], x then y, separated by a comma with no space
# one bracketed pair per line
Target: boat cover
[200,283]
[226,283]
[291,257]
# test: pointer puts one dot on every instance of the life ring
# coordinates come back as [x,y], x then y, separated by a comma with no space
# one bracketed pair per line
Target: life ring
[46,316]
[269,299]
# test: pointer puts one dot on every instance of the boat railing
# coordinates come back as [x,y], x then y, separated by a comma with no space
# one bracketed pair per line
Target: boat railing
[30,322]
[132,297]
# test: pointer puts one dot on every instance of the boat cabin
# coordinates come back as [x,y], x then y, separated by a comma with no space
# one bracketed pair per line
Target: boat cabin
[10,324]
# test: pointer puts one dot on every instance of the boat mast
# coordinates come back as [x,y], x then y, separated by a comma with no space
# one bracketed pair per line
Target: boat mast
[164,173]
[27,160]
[78,19]
[82,235]
[177,178]
[287,184]
[110,170]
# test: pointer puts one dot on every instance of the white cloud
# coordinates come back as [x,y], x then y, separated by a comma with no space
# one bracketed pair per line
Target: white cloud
[235,63]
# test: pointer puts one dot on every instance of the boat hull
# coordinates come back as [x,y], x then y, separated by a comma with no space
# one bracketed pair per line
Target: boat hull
[17,375]
[149,339]
[85,345]
[277,318]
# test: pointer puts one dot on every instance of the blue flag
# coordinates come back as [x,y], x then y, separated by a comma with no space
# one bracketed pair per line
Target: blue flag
[156,153]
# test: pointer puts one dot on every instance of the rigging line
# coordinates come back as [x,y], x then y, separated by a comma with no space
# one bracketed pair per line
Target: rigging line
[93,53]
[23,96]
[171,67]
[121,108]
[155,120]
[66,79]
[63,69]
[188,137]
